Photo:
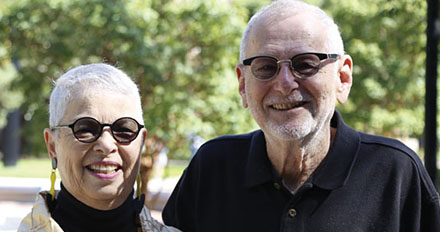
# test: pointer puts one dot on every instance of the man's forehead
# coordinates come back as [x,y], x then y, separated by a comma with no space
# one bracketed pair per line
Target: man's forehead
[301,33]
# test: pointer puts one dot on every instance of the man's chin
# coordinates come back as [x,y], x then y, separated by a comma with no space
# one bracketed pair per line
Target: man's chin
[290,132]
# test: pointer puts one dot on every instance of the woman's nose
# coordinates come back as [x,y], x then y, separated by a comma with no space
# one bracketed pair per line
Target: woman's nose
[105,144]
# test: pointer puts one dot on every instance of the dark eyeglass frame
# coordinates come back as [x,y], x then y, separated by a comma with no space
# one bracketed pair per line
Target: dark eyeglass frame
[101,128]
[321,56]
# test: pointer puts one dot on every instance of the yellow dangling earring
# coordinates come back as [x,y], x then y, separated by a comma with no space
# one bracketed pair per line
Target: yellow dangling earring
[53,177]
[138,186]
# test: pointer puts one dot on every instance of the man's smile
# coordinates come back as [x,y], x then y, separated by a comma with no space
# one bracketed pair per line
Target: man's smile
[288,106]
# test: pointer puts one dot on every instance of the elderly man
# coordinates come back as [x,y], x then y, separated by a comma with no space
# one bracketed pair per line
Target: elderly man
[305,170]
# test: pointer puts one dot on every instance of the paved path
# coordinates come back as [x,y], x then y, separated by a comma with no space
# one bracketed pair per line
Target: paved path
[17,196]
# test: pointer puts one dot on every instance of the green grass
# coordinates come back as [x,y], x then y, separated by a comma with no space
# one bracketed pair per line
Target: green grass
[30,167]
[174,171]
[41,168]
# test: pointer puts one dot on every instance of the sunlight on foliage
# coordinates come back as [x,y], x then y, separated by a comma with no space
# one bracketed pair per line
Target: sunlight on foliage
[183,53]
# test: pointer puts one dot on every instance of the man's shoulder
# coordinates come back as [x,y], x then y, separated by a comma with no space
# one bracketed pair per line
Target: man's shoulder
[231,141]
[386,143]
[398,158]
[228,147]
[390,151]
[386,148]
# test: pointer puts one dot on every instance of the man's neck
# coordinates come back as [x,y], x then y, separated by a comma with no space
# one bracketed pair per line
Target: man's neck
[295,161]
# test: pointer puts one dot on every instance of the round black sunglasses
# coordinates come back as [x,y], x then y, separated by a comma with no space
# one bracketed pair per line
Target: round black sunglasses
[88,130]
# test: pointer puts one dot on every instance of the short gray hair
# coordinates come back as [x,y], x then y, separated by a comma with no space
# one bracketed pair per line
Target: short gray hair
[283,8]
[91,77]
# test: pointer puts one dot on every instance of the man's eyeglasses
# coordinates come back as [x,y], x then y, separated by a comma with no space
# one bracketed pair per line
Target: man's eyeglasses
[88,130]
[303,65]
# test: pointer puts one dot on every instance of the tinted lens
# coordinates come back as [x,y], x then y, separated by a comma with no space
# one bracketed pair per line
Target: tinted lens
[264,68]
[125,130]
[306,65]
[86,129]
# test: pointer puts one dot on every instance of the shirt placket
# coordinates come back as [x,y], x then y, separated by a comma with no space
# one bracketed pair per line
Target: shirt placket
[293,216]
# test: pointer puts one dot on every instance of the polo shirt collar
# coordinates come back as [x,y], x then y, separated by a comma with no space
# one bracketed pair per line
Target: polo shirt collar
[258,168]
[333,171]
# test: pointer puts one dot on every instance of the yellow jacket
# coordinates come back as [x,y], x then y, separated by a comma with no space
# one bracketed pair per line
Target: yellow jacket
[39,219]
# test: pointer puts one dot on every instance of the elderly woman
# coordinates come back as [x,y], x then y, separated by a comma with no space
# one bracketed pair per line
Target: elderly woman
[95,140]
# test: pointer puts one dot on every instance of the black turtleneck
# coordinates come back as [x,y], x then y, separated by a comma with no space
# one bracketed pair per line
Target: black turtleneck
[73,215]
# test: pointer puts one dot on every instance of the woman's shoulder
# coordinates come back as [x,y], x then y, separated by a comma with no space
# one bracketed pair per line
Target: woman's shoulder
[39,218]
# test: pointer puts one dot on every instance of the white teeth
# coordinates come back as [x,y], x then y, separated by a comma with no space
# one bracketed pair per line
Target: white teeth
[285,106]
[103,168]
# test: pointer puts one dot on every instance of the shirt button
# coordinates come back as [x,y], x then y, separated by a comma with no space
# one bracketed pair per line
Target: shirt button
[277,186]
[292,213]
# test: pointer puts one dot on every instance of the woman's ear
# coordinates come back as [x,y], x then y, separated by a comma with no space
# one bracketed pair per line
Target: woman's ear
[144,136]
[49,138]
[345,79]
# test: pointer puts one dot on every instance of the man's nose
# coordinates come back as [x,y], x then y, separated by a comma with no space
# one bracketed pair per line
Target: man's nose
[285,81]
[105,144]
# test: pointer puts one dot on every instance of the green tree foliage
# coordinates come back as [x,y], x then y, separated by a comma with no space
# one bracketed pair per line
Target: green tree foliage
[181,55]
[387,40]
[9,100]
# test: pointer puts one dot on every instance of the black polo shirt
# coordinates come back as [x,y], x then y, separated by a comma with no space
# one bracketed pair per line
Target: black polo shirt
[365,183]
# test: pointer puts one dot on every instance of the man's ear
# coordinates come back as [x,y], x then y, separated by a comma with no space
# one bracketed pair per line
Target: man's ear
[345,79]
[49,138]
[241,84]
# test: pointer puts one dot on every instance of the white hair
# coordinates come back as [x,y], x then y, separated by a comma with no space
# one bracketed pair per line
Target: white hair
[90,78]
[285,8]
